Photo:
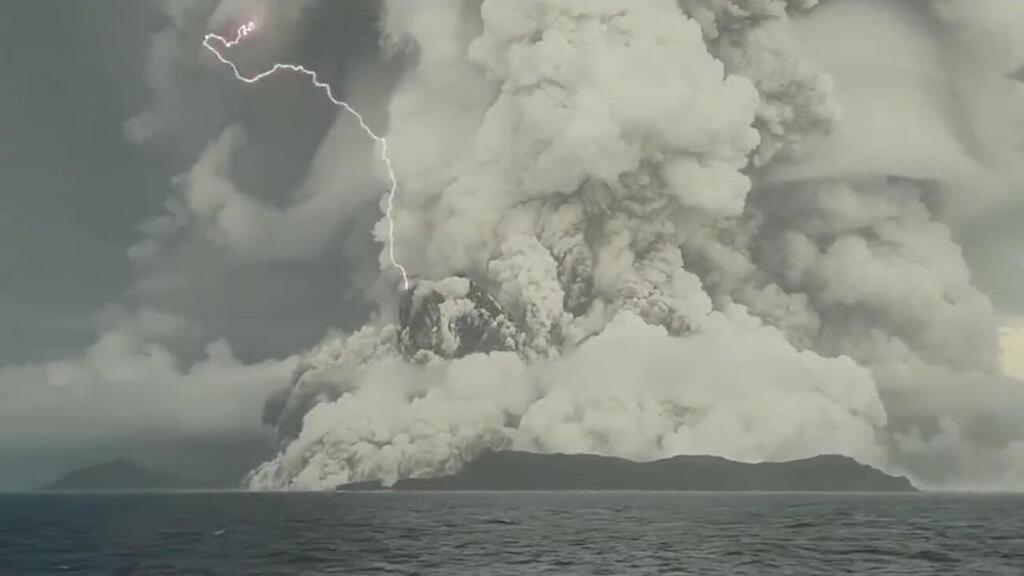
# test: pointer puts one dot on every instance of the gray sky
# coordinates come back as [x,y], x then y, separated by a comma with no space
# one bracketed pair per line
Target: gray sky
[74,192]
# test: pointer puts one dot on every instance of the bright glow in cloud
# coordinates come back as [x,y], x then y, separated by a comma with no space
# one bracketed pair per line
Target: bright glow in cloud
[1012,342]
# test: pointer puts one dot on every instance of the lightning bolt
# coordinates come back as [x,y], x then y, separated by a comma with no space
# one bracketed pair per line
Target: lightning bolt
[210,41]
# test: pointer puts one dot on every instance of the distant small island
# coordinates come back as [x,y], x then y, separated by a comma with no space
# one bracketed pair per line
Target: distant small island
[528,471]
[119,475]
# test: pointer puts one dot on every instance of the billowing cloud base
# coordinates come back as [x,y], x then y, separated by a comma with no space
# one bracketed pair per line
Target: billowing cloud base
[632,390]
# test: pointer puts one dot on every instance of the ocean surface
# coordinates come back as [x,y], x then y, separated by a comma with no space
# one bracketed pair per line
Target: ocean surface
[511,533]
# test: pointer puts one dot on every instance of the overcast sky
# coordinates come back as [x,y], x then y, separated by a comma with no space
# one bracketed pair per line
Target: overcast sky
[73,189]
[75,193]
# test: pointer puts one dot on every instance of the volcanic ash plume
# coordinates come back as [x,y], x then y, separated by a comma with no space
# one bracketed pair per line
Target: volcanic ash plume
[611,263]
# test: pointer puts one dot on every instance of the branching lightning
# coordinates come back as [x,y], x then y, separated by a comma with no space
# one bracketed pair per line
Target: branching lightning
[225,44]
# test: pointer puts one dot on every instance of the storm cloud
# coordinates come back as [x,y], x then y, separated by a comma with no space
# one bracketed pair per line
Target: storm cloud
[761,229]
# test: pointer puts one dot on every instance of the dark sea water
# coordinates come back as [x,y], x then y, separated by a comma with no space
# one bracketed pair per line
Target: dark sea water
[511,533]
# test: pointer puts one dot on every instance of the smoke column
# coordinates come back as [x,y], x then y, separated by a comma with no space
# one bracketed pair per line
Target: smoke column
[661,227]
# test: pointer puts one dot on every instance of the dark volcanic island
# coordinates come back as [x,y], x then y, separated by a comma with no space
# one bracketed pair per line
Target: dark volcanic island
[526,471]
[115,476]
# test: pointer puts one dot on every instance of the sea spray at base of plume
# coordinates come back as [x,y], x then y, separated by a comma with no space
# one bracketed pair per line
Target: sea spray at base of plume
[631,391]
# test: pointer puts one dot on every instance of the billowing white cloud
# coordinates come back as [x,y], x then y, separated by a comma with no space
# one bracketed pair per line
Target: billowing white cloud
[130,389]
[632,391]
[641,185]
